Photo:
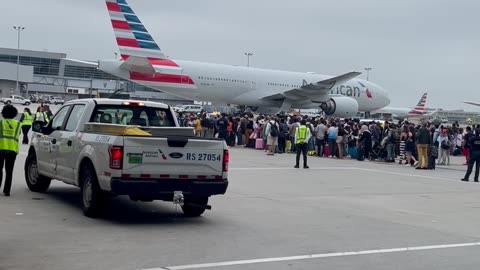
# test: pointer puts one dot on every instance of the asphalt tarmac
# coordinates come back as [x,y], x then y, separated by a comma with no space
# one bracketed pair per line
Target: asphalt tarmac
[339,214]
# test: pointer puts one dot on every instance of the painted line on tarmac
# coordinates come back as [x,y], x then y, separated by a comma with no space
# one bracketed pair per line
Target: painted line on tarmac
[407,174]
[342,168]
[316,256]
[289,168]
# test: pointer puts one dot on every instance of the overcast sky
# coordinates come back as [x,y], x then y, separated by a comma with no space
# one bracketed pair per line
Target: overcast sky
[413,46]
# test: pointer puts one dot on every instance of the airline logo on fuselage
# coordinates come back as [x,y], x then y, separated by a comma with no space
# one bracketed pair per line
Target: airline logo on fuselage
[347,90]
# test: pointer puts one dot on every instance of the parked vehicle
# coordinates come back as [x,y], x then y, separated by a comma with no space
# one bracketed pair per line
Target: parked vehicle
[47,98]
[35,99]
[136,148]
[191,109]
[14,99]
[57,100]
[178,108]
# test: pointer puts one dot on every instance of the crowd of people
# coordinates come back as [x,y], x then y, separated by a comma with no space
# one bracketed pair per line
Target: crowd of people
[422,146]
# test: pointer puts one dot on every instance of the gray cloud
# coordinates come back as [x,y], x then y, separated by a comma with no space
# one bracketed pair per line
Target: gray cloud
[413,46]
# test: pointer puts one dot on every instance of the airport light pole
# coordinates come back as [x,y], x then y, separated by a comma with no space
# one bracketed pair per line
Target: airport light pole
[248,58]
[367,69]
[18,29]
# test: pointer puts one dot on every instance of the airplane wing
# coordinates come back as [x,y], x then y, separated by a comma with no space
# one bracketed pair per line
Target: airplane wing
[472,103]
[86,63]
[314,89]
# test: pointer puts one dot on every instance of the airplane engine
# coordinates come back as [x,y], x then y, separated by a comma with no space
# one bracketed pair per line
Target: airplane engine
[340,106]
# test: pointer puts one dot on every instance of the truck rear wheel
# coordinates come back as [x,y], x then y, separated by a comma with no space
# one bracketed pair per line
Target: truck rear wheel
[35,181]
[196,209]
[93,199]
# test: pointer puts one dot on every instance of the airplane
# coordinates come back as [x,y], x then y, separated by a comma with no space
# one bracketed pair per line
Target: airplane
[271,91]
[407,113]
[472,103]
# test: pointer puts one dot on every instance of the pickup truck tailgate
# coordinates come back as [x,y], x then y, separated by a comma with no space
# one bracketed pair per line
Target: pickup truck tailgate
[173,157]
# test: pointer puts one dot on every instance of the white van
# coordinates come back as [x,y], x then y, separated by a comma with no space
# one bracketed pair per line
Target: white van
[190,109]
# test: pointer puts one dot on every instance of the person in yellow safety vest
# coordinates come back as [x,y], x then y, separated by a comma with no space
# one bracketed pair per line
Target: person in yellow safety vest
[9,135]
[41,116]
[26,122]
[302,135]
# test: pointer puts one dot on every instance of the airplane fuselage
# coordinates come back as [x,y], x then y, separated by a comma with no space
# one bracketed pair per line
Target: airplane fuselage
[228,84]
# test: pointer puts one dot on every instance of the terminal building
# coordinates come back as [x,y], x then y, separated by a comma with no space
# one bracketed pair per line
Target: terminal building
[49,73]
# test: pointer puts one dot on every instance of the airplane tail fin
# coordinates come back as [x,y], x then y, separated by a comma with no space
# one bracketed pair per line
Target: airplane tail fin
[132,37]
[420,108]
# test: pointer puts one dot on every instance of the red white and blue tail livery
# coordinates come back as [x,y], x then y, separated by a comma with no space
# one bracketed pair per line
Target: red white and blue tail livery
[132,37]
[142,56]
[403,113]
[420,108]
[144,62]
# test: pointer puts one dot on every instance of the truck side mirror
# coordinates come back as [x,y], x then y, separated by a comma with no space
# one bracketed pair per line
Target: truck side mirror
[37,127]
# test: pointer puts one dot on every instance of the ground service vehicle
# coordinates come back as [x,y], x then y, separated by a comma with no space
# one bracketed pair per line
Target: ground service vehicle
[116,147]
[56,100]
[35,98]
[47,98]
[14,99]
[191,109]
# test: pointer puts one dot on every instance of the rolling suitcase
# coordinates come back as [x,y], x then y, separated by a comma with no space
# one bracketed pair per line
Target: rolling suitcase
[326,151]
[259,144]
[361,152]
[352,151]
[250,143]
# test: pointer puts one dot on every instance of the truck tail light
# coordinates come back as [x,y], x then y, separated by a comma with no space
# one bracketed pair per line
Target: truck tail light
[116,157]
[226,159]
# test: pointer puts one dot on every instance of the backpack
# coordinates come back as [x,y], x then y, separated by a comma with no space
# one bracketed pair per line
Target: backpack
[274,130]
[283,131]
[446,144]
[433,151]
[393,136]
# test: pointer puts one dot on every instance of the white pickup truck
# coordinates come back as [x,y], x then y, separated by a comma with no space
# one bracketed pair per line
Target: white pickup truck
[14,99]
[116,147]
